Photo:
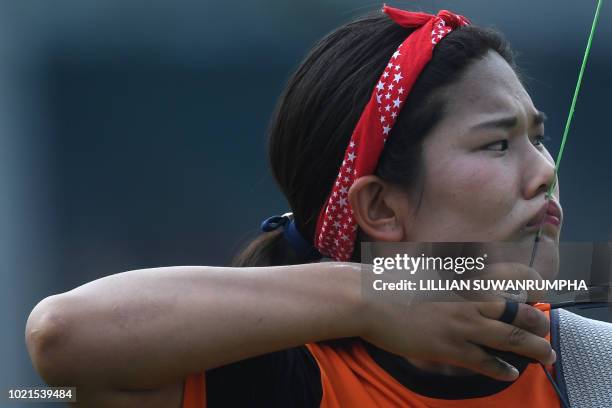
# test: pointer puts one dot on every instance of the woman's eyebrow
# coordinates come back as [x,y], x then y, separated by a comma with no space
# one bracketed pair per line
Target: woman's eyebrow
[510,122]
[539,118]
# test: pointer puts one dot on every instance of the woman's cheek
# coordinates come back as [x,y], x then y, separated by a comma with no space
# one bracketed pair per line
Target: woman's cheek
[478,177]
[488,190]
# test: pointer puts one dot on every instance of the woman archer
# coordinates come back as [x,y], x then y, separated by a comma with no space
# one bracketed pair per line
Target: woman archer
[386,132]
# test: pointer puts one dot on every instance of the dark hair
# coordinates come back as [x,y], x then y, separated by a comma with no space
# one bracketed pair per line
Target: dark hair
[321,105]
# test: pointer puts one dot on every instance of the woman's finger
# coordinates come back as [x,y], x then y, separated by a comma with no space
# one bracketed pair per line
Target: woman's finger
[527,317]
[506,337]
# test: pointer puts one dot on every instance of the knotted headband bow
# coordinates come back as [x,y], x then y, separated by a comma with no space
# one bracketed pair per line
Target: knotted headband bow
[336,226]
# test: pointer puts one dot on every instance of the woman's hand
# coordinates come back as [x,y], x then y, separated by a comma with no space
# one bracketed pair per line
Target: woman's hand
[454,332]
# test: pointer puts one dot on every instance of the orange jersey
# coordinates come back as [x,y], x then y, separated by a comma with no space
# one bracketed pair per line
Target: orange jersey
[350,377]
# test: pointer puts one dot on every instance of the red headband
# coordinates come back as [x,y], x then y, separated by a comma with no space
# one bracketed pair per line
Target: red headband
[336,226]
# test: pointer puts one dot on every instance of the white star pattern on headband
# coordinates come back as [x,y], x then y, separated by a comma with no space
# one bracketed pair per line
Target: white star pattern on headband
[390,109]
[439,31]
[342,227]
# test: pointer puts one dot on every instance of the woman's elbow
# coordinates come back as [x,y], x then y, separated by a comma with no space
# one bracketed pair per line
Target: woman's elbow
[46,336]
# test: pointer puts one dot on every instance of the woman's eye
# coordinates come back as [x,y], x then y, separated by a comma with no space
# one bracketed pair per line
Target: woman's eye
[502,145]
[498,146]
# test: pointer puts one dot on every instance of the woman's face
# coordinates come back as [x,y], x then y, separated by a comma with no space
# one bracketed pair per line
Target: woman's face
[486,171]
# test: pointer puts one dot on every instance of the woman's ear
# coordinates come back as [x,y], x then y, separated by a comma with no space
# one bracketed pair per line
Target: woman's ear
[379,209]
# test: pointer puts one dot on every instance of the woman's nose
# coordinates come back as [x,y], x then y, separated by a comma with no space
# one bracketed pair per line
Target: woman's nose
[540,173]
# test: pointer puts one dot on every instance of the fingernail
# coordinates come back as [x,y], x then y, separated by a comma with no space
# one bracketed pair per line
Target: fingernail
[515,372]
[554,357]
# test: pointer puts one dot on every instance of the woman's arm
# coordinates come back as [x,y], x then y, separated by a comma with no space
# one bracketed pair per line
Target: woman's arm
[146,328]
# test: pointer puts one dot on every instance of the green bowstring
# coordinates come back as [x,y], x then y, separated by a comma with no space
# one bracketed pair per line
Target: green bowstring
[569,120]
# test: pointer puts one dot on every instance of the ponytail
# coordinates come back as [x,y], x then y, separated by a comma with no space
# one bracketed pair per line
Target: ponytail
[268,249]
[280,244]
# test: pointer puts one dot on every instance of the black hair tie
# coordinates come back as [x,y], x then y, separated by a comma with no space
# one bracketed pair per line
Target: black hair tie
[304,249]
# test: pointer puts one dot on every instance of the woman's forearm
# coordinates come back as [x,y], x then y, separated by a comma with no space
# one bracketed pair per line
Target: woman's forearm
[144,328]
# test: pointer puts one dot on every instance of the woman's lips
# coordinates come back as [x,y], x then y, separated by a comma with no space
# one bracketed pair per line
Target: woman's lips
[550,213]
[553,210]
[552,219]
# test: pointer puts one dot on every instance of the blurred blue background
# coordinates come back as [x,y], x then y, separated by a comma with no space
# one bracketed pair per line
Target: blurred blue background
[132,134]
